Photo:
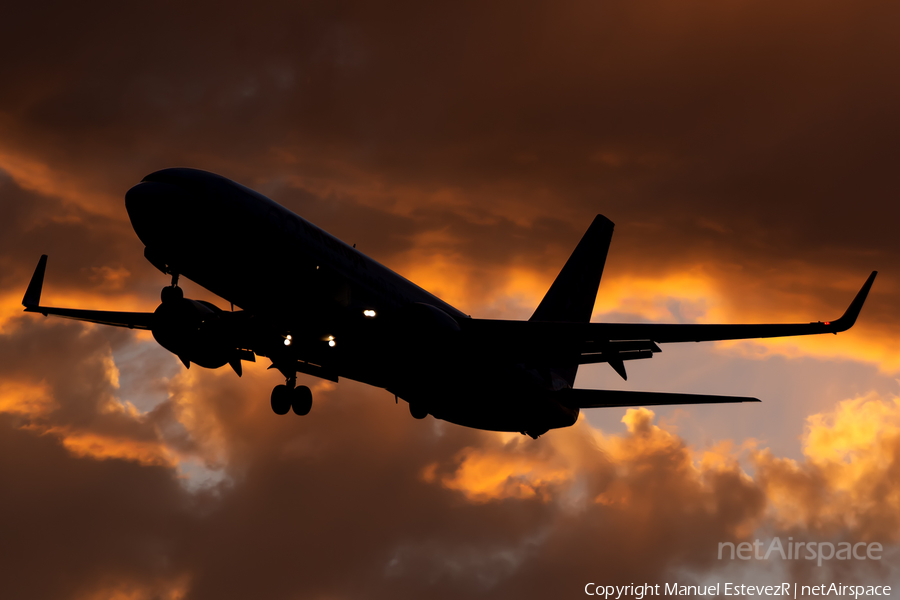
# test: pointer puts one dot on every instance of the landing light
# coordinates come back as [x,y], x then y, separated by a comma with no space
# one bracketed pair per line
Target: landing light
[287,340]
[369,313]
[330,339]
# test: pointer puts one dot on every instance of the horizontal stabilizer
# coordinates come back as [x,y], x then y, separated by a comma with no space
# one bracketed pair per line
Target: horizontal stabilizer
[576,398]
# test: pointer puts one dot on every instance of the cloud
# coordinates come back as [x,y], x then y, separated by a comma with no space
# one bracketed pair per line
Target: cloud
[847,484]
[744,151]
[407,507]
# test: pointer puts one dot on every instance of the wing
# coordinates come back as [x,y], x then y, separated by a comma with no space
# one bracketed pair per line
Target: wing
[32,303]
[550,344]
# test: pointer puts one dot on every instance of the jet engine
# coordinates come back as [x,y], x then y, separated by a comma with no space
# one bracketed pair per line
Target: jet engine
[193,330]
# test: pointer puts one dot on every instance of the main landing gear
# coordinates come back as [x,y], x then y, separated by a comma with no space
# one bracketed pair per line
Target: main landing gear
[172,293]
[287,397]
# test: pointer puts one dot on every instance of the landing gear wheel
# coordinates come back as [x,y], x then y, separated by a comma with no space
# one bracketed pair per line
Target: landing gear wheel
[281,399]
[301,400]
[418,410]
[171,293]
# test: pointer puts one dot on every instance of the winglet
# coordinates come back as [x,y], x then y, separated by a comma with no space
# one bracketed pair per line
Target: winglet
[33,293]
[849,317]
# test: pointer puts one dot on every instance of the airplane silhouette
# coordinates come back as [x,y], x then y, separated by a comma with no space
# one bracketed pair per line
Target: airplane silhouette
[314,305]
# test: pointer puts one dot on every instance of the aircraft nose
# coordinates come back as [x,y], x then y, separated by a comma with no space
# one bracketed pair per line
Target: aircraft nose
[158,212]
[182,209]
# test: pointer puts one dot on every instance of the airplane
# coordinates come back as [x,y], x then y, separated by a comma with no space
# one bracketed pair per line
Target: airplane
[312,304]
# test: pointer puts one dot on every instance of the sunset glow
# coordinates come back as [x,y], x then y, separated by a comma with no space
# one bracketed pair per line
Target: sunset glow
[744,151]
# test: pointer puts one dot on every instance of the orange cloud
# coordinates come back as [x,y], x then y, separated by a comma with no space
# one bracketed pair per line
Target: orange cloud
[163,589]
[28,399]
[497,473]
[848,481]
[41,177]
[861,343]
[102,447]
[845,485]
[111,279]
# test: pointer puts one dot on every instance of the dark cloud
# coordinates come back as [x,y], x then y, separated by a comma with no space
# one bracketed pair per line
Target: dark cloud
[75,521]
[755,133]
[32,224]
[338,504]
[75,524]
[359,499]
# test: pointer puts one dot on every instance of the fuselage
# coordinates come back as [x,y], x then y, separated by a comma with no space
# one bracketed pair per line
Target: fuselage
[344,311]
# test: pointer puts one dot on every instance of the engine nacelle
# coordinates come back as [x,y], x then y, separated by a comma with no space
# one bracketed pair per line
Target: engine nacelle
[193,330]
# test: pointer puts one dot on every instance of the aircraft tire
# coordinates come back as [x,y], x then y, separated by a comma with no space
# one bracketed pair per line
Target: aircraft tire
[281,400]
[301,400]
[418,410]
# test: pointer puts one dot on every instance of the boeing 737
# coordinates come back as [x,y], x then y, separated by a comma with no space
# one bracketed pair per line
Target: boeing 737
[314,305]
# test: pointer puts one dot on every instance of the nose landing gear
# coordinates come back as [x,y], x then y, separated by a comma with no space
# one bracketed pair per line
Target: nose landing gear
[287,397]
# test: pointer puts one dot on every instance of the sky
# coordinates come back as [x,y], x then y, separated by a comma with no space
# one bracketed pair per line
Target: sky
[744,149]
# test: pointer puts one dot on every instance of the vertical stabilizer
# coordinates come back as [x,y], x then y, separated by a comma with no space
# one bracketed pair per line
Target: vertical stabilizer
[571,297]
